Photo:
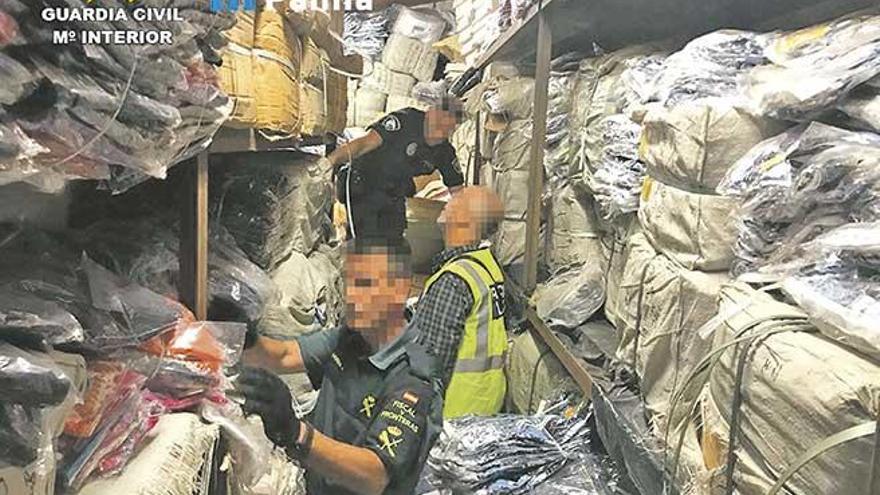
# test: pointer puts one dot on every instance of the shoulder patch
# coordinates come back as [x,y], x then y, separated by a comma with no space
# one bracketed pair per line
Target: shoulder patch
[391,123]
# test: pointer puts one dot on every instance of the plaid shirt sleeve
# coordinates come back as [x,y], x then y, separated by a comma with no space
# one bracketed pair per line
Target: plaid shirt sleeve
[441,316]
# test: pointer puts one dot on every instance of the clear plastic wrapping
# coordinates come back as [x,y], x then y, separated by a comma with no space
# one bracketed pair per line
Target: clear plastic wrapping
[710,67]
[616,179]
[421,24]
[571,296]
[812,69]
[153,106]
[365,32]
[505,454]
[799,185]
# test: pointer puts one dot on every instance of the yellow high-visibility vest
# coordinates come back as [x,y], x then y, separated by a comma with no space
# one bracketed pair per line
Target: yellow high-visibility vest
[478,384]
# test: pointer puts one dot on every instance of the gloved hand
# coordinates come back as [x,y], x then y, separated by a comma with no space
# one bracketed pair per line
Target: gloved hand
[268,397]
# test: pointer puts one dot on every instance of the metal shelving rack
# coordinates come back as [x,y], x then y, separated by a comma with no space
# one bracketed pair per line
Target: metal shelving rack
[194,215]
[553,27]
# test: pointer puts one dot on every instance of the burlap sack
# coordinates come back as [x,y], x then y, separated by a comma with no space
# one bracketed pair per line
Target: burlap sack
[533,374]
[510,180]
[661,308]
[575,235]
[697,231]
[799,389]
[692,146]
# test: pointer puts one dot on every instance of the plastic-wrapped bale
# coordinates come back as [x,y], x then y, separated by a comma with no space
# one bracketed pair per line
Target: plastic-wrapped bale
[797,390]
[558,148]
[692,144]
[273,204]
[575,234]
[369,106]
[510,171]
[387,81]
[571,295]
[710,67]
[172,108]
[146,252]
[423,25]
[863,107]
[799,185]
[512,98]
[597,94]
[697,231]
[812,69]
[534,374]
[410,56]
[277,63]
[311,294]
[662,306]
[834,280]
[615,179]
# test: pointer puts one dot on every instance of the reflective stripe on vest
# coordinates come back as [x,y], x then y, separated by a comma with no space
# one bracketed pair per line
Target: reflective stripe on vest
[478,383]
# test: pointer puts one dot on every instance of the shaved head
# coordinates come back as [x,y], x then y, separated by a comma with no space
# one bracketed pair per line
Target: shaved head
[472,215]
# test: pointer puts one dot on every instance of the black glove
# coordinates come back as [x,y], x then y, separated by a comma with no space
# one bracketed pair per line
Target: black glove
[268,397]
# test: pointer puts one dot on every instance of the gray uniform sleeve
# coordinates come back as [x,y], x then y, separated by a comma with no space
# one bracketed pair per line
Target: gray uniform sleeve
[440,317]
[316,349]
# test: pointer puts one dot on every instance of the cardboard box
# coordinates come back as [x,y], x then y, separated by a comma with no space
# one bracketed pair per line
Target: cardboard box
[276,34]
[237,80]
[278,99]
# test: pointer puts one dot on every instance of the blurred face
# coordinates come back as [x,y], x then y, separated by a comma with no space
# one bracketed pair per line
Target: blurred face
[375,291]
[439,125]
[458,225]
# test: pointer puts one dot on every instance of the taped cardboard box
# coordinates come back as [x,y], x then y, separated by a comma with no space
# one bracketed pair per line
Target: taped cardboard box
[243,32]
[662,306]
[692,145]
[697,231]
[237,79]
[275,33]
[799,389]
[278,98]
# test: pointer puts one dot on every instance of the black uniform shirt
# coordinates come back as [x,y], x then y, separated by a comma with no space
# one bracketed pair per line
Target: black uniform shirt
[387,402]
[404,154]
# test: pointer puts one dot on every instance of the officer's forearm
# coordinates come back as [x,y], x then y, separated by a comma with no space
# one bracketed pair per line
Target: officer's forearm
[355,468]
[355,148]
[283,357]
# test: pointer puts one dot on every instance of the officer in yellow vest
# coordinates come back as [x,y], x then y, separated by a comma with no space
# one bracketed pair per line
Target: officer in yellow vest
[460,315]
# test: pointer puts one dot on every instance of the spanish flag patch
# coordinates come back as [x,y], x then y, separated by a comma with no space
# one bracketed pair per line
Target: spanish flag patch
[410,397]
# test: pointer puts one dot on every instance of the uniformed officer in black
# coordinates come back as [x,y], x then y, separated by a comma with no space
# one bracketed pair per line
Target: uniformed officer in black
[374,173]
[379,408]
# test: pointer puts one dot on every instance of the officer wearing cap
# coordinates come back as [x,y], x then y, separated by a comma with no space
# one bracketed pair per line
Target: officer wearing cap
[375,172]
[379,408]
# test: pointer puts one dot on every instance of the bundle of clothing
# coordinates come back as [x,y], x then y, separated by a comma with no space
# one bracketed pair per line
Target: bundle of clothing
[835,280]
[74,301]
[799,185]
[616,180]
[510,454]
[146,251]
[272,205]
[563,70]
[366,32]
[121,113]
